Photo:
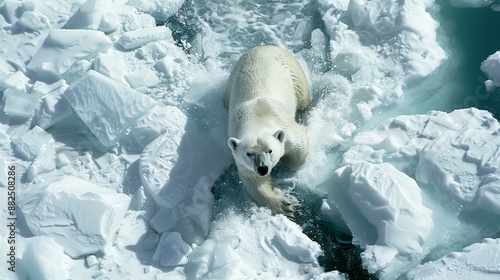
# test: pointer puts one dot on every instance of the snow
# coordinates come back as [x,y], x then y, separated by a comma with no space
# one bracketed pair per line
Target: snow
[107,107]
[81,216]
[475,182]
[38,255]
[477,261]
[390,201]
[19,104]
[53,107]
[94,15]
[491,66]
[111,113]
[172,250]
[140,37]
[32,143]
[62,49]
[455,152]
[226,255]
[16,81]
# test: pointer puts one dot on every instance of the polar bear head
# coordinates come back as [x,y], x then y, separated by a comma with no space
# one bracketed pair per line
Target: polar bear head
[259,154]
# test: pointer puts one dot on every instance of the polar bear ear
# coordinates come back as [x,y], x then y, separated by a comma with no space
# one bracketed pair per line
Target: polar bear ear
[280,135]
[233,143]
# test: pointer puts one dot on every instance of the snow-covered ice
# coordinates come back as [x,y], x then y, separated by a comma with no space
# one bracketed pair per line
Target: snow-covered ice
[39,255]
[107,107]
[390,201]
[477,261]
[491,66]
[140,37]
[79,215]
[62,49]
[111,113]
[453,152]
[94,15]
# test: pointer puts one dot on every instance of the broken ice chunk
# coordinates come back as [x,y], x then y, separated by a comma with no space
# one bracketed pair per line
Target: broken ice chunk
[94,15]
[43,163]
[63,48]
[141,37]
[79,215]
[31,143]
[491,67]
[172,250]
[19,104]
[159,120]
[364,110]
[213,258]
[107,107]
[464,164]
[91,260]
[42,89]
[348,62]
[297,244]
[142,78]
[38,259]
[53,109]
[33,20]
[17,81]
[477,261]
[156,164]
[392,202]
[61,160]
[110,65]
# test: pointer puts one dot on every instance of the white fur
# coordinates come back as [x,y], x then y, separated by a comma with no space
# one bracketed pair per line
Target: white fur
[265,91]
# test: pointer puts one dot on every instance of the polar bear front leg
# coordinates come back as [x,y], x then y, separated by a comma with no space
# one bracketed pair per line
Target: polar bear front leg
[261,191]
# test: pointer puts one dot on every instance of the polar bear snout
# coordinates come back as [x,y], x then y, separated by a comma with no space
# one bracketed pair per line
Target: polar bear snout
[262,170]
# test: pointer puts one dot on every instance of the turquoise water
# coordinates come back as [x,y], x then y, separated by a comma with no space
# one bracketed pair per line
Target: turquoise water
[474,35]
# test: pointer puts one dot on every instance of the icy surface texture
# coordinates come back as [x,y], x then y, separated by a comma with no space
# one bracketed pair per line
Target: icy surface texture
[157,8]
[464,162]
[39,255]
[94,15]
[53,107]
[62,49]
[160,120]
[491,67]
[141,37]
[79,215]
[454,152]
[107,107]
[477,261]
[273,247]
[19,104]
[391,201]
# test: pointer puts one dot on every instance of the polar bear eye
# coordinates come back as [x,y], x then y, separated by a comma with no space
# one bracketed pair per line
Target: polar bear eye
[249,154]
[270,151]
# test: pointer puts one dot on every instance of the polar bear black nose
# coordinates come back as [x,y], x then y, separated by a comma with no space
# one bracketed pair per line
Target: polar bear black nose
[262,170]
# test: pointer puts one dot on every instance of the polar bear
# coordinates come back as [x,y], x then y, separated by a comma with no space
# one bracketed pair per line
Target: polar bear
[265,93]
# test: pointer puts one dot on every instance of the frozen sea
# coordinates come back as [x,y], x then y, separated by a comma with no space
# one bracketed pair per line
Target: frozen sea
[113,154]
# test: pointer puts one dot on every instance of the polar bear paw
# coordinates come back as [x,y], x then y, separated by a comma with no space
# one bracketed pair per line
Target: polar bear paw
[281,205]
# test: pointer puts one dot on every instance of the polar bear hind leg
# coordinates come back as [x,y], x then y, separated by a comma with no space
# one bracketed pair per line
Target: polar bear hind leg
[298,148]
[300,83]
